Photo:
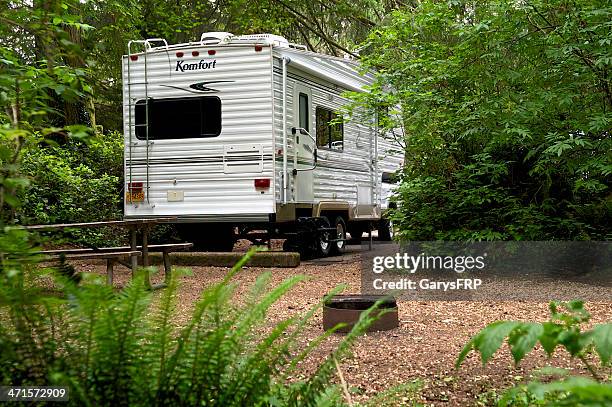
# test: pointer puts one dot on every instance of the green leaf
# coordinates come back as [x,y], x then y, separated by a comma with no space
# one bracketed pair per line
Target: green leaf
[11,200]
[79,132]
[13,183]
[488,341]
[579,391]
[602,339]
[572,340]
[549,339]
[523,339]
[492,338]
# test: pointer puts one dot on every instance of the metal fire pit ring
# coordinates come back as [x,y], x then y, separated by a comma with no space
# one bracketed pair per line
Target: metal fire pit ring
[348,308]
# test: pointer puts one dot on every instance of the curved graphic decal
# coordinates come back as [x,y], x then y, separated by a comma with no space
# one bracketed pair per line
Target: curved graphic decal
[198,86]
[201,86]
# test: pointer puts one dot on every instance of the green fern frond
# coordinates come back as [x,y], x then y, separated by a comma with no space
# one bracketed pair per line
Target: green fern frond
[316,384]
[254,314]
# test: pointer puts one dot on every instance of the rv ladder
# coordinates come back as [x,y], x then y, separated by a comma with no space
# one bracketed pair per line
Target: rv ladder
[132,105]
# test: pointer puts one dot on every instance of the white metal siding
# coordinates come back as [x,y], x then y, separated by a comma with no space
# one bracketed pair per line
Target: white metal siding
[339,173]
[196,166]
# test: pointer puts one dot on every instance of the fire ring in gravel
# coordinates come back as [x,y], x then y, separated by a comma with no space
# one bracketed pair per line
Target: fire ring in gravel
[348,308]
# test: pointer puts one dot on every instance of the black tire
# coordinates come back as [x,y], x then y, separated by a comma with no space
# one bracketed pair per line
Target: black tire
[290,245]
[323,245]
[385,230]
[209,238]
[340,246]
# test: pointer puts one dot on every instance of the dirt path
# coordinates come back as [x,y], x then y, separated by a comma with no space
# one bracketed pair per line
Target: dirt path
[424,347]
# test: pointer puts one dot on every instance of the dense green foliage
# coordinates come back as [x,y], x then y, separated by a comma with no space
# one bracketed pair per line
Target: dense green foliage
[74,181]
[119,348]
[507,113]
[39,98]
[565,330]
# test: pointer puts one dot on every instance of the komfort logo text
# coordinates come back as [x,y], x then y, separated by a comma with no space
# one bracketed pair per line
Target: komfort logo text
[200,66]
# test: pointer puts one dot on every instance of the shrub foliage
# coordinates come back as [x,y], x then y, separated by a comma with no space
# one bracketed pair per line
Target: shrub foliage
[74,181]
[565,330]
[506,108]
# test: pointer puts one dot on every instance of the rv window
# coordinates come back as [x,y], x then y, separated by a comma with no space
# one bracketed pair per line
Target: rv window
[304,113]
[179,118]
[330,130]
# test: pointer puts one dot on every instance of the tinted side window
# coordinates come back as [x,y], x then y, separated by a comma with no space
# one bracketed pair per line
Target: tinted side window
[179,118]
[330,131]
[304,112]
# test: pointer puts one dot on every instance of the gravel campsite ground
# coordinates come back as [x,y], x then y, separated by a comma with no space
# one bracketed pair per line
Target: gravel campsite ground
[424,347]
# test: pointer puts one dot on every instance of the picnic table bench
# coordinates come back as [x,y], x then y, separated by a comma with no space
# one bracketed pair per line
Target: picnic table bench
[114,255]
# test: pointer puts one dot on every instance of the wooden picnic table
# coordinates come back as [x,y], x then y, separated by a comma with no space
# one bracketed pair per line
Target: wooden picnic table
[134,225]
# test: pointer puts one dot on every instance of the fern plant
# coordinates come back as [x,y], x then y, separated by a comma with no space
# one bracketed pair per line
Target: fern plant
[564,329]
[122,348]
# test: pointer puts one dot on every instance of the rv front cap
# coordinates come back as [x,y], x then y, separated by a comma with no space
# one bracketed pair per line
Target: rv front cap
[182,66]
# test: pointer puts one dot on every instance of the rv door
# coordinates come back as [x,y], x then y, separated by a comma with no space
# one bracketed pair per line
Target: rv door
[304,145]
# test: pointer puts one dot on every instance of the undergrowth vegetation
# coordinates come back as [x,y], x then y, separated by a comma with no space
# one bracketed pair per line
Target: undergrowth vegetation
[123,348]
[565,329]
[74,181]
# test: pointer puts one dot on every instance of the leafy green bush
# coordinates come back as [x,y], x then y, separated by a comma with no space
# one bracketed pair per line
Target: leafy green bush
[562,330]
[74,182]
[120,348]
[505,108]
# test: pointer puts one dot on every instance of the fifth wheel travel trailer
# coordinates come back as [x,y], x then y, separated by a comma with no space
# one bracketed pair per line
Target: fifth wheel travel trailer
[241,137]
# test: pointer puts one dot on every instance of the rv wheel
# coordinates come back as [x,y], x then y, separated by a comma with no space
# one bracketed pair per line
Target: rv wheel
[339,245]
[291,245]
[322,239]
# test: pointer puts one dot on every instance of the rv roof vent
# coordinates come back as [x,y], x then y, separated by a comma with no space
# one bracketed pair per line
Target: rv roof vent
[215,37]
[268,39]
[298,46]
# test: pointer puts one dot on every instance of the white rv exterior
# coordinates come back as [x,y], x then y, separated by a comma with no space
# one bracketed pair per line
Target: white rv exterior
[261,154]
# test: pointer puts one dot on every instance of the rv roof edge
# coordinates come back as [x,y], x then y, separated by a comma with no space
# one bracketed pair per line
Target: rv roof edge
[310,68]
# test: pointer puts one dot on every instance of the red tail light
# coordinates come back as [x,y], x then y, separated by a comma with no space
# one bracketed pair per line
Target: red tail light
[262,183]
[134,186]
[179,55]
[195,53]
[258,48]
[134,57]
[211,52]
